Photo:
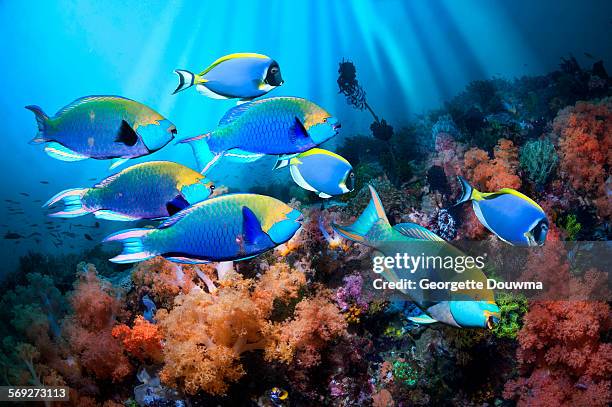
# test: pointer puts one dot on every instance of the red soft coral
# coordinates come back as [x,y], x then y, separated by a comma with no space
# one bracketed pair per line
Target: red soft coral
[492,174]
[585,144]
[96,307]
[143,340]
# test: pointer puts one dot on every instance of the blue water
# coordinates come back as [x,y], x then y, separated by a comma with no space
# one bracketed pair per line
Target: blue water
[410,55]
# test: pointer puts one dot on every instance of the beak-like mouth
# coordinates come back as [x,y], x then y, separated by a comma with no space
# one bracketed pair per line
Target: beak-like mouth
[172,130]
[300,218]
[336,126]
[492,321]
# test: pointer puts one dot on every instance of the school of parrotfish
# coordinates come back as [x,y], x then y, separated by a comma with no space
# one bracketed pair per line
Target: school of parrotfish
[198,228]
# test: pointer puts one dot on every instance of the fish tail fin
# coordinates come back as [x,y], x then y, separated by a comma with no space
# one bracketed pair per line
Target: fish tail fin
[73,204]
[41,121]
[134,249]
[467,191]
[187,79]
[372,217]
[205,158]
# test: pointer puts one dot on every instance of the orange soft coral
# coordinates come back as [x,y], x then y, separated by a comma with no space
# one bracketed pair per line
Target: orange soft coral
[585,144]
[205,333]
[143,340]
[490,175]
[96,307]
[317,321]
[165,279]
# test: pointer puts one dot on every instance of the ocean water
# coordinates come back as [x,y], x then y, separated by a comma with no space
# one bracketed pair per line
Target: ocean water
[411,56]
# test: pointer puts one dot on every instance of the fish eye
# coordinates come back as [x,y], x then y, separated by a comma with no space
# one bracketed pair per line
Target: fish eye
[352,175]
[212,188]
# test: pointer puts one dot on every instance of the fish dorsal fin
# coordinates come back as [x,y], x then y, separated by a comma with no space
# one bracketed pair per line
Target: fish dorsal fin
[126,134]
[108,180]
[298,130]
[234,113]
[178,216]
[232,56]
[85,99]
[251,228]
[417,232]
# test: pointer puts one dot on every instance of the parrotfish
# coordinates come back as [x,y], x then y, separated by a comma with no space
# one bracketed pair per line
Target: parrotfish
[151,190]
[474,308]
[272,126]
[321,171]
[226,228]
[242,75]
[102,127]
[512,216]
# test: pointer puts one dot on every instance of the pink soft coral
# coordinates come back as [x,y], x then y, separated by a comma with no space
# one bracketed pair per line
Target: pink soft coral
[96,307]
[164,278]
[585,144]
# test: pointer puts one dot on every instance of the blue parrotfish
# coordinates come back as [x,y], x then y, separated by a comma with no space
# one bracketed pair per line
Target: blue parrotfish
[102,127]
[226,228]
[151,190]
[242,75]
[513,217]
[321,171]
[283,126]
[462,308]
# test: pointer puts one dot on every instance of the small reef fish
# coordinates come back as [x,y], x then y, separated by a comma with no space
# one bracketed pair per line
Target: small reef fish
[150,309]
[512,216]
[242,75]
[24,194]
[88,237]
[325,173]
[44,182]
[279,397]
[12,236]
[226,228]
[102,127]
[151,190]
[272,126]
[475,309]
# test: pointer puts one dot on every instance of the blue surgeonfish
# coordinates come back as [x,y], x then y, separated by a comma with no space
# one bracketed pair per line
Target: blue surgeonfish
[236,76]
[512,216]
[473,308]
[321,171]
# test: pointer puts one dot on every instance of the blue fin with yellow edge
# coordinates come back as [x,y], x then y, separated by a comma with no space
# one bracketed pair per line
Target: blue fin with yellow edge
[423,319]
[59,152]
[372,216]
[417,232]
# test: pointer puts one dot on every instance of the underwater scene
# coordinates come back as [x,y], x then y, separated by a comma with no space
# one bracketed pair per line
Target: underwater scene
[306,203]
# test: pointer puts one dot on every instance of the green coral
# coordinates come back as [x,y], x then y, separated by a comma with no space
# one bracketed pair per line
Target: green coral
[539,159]
[512,309]
[405,372]
[571,226]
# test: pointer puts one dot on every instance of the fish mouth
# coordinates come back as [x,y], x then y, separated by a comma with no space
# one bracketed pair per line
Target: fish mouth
[336,126]
[492,321]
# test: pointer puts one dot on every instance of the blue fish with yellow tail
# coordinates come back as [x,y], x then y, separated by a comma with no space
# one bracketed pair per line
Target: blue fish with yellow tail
[102,127]
[272,126]
[512,216]
[462,308]
[321,171]
[226,228]
[242,75]
[151,190]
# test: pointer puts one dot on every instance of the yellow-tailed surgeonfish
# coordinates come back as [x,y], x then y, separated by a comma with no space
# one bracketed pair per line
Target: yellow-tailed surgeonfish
[461,308]
[243,75]
[151,190]
[226,228]
[321,171]
[512,216]
[102,127]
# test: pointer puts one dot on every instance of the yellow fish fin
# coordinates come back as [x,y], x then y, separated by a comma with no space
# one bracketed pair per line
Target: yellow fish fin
[232,56]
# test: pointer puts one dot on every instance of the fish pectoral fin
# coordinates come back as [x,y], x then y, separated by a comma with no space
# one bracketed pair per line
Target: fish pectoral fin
[59,152]
[253,234]
[324,195]
[423,319]
[298,130]
[242,156]
[177,204]
[111,215]
[126,134]
[116,162]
